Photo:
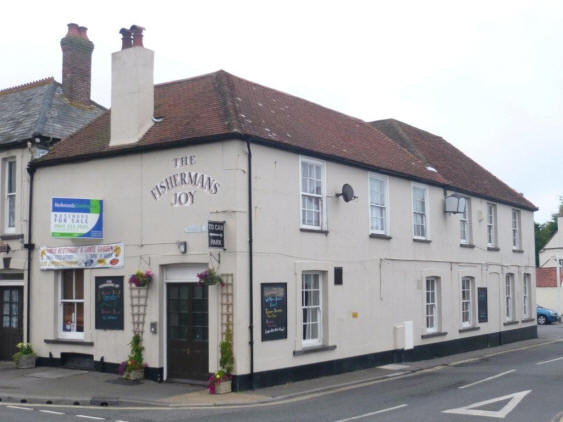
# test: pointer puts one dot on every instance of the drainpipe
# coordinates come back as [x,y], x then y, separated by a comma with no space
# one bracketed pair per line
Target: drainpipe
[250,267]
[29,246]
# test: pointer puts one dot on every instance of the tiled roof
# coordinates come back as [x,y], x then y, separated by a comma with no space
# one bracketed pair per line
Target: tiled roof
[459,171]
[40,109]
[546,277]
[220,105]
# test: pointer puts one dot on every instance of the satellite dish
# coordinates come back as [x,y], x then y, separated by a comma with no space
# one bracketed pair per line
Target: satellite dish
[347,193]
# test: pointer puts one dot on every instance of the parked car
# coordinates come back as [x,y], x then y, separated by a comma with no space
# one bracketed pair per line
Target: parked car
[546,316]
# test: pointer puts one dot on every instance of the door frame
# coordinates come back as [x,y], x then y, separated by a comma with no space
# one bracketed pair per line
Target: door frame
[191,278]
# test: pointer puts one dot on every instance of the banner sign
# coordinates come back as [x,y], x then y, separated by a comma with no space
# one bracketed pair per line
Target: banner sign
[109,303]
[72,217]
[92,256]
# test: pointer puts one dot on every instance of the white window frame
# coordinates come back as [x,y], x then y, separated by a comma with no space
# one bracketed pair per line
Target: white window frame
[70,334]
[308,342]
[9,196]
[373,177]
[465,235]
[426,213]
[526,298]
[432,307]
[491,225]
[516,232]
[322,218]
[467,298]
[509,297]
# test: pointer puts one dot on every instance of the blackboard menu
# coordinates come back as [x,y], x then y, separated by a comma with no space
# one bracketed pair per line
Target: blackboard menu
[482,304]
[109,303]
[274,311]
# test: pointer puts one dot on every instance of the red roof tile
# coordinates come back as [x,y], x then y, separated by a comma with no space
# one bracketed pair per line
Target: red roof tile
[459,171]
[546,277]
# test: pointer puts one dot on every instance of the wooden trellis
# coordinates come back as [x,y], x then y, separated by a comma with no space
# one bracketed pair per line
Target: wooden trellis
[139,297]
[226,303]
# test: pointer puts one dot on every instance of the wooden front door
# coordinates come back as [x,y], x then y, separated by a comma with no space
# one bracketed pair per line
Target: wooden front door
[187,331]
[11,324]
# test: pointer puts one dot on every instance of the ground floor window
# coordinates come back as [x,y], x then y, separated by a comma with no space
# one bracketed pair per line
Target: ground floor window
[431,304]
[526,295]
[71,304]
[466,301]
[509,297]
[311,297]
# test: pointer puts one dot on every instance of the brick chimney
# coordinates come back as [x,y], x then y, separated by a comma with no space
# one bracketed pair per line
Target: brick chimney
[77,64]
[132,88]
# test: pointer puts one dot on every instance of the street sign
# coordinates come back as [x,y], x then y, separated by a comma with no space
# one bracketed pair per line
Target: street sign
[216,234]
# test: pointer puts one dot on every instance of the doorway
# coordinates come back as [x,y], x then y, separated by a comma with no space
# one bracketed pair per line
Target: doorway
[11,325]
[187,331]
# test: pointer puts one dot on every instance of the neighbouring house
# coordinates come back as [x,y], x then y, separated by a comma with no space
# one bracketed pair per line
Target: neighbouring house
[552,253]
[33,117]
[547,291]
[551,263]
[341,244]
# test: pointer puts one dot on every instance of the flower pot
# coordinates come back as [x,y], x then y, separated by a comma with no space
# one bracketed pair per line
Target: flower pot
[26,362]
[137,374]
[223,387]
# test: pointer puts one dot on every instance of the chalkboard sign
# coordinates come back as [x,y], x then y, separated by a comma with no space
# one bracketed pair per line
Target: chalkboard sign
[482,304]
[109,303]
[274,311]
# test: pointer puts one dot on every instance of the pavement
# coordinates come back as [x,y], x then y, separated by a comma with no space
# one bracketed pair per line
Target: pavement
[48,385]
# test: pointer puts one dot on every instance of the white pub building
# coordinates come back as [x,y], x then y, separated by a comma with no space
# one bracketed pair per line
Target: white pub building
[342,244]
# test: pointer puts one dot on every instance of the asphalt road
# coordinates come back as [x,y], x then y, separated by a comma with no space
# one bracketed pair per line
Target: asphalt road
[527,383]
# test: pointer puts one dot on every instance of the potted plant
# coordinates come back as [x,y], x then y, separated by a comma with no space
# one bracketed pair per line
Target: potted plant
[25,356]
[134,367]
[209,278]
[221,381]
[141,278]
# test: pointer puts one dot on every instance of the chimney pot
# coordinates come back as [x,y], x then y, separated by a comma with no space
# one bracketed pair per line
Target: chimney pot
[73,30]
[126,40]
[83,32]
[137,35]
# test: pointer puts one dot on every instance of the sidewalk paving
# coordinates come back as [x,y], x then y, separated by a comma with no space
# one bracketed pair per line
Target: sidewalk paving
[67,386]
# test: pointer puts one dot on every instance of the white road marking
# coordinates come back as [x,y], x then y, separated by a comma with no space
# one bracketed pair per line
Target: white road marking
[91,417]
[365,415]
[51,412]
[515,398]
[549,361]
[486,379]
[20,408]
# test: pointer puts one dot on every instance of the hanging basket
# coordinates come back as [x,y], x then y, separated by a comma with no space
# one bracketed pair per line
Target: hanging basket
[209,278]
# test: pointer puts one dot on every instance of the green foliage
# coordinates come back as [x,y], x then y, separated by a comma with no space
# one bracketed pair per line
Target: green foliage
[227,360]
[135,359]
[24,349]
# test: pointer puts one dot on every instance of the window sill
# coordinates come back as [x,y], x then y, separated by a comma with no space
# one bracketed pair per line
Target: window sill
[431,335]
[510,323]
[467,329]
[11,236]
[313,349]
[75,342]
[518,250]
[466,245]
[421,240]
[528,320]
[379,236]
[493,248]
[325,232]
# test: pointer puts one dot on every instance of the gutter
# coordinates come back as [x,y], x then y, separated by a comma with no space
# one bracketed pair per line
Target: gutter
[250,267]
[29,246]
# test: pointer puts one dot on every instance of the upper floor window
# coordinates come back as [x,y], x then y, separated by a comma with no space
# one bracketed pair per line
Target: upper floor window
[466,301]
[509,297]
[465,224]
[378,207]
[312,194]
[491,225]
[516,240]
[431,304]
[10,196]
[420,211]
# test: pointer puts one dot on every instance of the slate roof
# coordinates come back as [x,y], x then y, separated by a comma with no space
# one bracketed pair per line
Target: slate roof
[40,109]
[459,171]
[546,277]
[222,106]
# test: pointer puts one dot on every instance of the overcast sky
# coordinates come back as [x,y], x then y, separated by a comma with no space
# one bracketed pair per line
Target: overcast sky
[487,76]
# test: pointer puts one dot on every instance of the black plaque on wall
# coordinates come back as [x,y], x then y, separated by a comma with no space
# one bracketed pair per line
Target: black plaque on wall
[109,303]
[274,311]
[482,304]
